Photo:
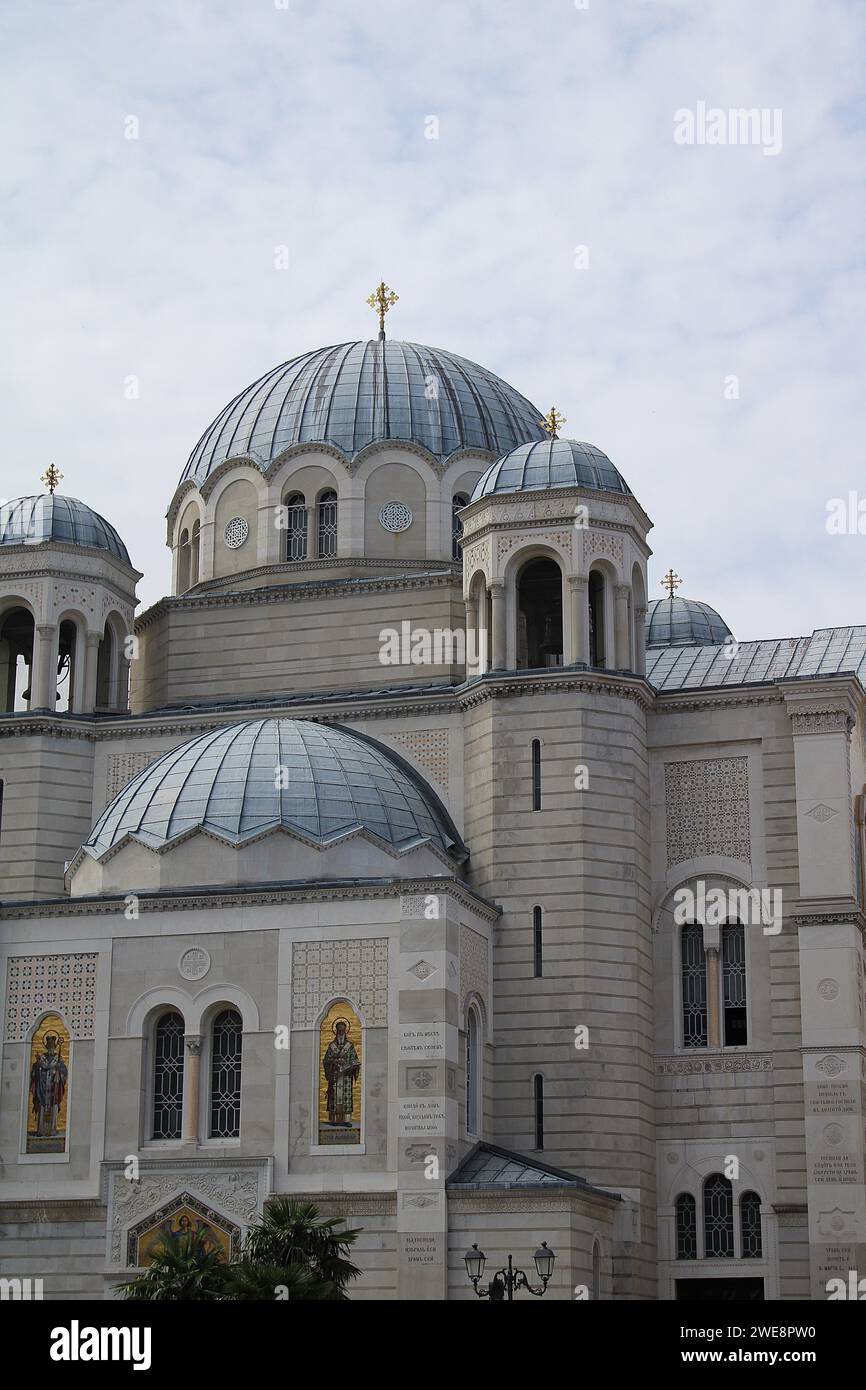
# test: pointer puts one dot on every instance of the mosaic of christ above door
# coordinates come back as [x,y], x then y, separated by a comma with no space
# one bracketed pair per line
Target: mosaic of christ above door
[340,1076]
[183,1216]
[48,1087]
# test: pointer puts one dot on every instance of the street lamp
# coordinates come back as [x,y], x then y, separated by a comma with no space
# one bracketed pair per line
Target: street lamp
[506,1281]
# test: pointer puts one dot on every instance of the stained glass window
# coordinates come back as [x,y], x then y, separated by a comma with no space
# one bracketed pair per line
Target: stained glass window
[750,1226]
[687,1227]
[694,986]
[718,1218]
[225,1075]
[327,525]
[168,1077]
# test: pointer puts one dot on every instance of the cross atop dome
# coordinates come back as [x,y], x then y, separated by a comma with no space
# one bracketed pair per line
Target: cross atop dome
[552,422]
[380,301]
[670,582]
[52,477]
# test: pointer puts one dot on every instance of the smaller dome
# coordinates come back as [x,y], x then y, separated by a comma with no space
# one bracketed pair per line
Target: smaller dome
[551,463]
[683,622]
[337,781]
[53,517]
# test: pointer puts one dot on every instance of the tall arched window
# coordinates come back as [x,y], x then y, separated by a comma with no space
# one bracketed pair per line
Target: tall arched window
[718,1218]
[194,548]
[536,774]
[596,1270]
[473,1072]
[538,1096]
[168,1076]
[750,1226]
[183,555]
[326,525]
[687,1227]
[694,986]
[296,527]
[734,984]
[457,502]
[597,635]
[225,1075]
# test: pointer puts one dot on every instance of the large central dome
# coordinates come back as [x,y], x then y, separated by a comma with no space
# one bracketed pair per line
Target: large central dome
[356,393]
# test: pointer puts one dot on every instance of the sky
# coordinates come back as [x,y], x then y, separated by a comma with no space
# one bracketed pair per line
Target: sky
[694,309]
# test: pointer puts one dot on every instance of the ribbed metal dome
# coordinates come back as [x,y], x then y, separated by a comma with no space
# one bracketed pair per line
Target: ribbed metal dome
[551,463]
[53,517]
[225,781]
[355,393]
[683,622]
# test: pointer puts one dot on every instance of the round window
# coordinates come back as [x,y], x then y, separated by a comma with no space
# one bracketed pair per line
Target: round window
[236,532]
[395,516]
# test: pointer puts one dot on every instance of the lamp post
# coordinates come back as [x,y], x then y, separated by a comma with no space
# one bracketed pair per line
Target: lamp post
[506,1281]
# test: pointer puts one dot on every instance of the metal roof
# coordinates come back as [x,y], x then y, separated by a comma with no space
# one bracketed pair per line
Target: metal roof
[551,463]
[353,394]
[56,517]
[486,1166]
[225,781]
[829,651]
[677,622]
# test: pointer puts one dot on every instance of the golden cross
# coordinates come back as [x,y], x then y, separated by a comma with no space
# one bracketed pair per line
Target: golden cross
[51,477]
[381,300]
[671,581]
[552,422]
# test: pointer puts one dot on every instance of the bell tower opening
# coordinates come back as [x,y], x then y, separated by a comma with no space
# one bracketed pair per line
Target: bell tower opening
[539,621]
[16,660]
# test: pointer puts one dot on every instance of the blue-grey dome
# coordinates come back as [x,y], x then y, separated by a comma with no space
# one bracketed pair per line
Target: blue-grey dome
[683,622]
[225,781]
[551,463]
[54,517]
[355,393]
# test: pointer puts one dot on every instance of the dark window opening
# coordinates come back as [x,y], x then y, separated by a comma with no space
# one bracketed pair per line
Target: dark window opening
[538,1083]
[596,620]
[457,525]
[537,947]
[687,1228]
[168,1077]
[718,1218]
[750,1226]
[225,1070]
[694,986]
[539,606]
[536,774]
[734,984]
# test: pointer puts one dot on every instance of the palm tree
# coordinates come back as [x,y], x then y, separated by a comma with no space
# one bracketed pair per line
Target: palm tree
[184,1272]
[247,1280]
[292,1234]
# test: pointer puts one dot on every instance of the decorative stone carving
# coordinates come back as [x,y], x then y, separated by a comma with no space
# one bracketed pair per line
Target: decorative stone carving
[822,721]
[827,989]
[324,970]
[422,970]
[707,809]
[194,963]
[602,543]
[832,1066]
[429,747]
[66,984]
[237,1192]
[691,1066]
[505,544]
[122,767]
[822,813]
[476,557]
[473,965]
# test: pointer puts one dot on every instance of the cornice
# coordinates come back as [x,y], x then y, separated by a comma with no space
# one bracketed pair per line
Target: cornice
[680,701]
[288,568]
[515,1199]
[299,593]
[698,1061]
[261,895]
[41,570]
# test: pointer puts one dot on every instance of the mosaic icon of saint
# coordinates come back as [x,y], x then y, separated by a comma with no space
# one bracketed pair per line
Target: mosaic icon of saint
[341,1066]
[48,1081]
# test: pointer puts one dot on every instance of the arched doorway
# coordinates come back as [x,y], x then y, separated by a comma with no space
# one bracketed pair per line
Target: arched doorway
[16,660]
[539,615]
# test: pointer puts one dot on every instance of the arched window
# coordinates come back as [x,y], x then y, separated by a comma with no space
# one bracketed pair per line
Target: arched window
[537,943]
[596,1270]
[718,1218]
[473,1071]
[225,1075]
[17,632]
[734,984]
[687,1227]
[168,1076]
[539,615]
[457,502]
[538,1095]
[184,562]
[597,635]
[105,659]
[750,1226]
[536,774]
[694,986]
[67,662]
[296,527]
[326,525]
[194,548]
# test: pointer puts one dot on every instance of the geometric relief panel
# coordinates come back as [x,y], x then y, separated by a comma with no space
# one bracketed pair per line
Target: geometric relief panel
[322,970]
[122,767]
[473,964]
[707,809]
[66,984]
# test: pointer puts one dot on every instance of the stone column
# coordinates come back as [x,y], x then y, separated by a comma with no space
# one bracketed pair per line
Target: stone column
[640,641]
[830,925]
[43,677]
[427,1112]
[91,664]
[621,633]
[191,1087]
[579,585]
[472,662]
[498,642]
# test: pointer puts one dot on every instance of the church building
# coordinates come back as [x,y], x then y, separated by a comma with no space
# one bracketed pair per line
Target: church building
[408,857]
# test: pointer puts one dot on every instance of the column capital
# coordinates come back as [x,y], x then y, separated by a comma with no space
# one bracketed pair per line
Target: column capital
[578,581]
[193,1043]
[622,590]
[496,586]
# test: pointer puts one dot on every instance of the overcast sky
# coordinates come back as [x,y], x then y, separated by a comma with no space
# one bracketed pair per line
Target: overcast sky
[261,126]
